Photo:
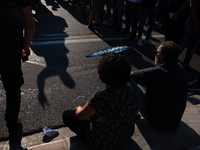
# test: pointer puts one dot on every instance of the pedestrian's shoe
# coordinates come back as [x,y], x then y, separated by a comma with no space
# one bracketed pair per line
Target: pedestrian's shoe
[118,31]
[96,26]
[105,22]
[138,117]
[15,136]
[194,85]
[112,27]
[149,42]
[140,42]
[90,26]
[15,130]
[83,16]
[132,38]
[125,32]
[187,68]
[37,16]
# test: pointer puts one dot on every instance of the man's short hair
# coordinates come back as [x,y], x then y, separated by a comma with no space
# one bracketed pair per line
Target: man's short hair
[114,69]
[170,51]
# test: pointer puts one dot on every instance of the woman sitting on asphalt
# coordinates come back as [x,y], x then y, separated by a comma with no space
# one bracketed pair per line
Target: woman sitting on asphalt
[107,121]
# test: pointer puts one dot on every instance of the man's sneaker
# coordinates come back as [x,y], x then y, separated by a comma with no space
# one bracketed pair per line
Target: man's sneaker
[105,22]
[140,42]
[187,68]
[15,130]
[194,85]
[83,16]
[125,32]
[131,38]
[149,42]
[90,26]
[97,26]
[37,16]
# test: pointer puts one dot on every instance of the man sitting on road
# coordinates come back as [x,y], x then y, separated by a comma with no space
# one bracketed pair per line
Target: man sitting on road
[164,102]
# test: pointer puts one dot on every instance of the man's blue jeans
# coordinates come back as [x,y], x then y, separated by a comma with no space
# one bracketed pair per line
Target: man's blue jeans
[150,14]
[190,40]
[141,98]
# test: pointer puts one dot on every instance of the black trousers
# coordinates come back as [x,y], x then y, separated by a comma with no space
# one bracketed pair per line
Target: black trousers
[132,16]
[73,123]
[174,30]
[11,74]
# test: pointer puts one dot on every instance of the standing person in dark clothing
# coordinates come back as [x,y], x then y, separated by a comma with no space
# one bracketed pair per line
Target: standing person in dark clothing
[191,37]
[14,14]
[177,15]
[96,7]
[118,12]
[166,85]
[36,6]
[147,11]
[132,15]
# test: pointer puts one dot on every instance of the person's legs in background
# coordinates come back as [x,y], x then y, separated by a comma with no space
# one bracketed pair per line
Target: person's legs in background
[151,22]
[135,16]
[132,15]
[36,7]
[84,7]
[94,13]
[169,29]
[190,41]
[143,17]
[191,49]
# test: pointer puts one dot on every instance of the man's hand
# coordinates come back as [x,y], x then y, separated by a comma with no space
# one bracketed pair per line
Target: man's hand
[27,17]
[85,112]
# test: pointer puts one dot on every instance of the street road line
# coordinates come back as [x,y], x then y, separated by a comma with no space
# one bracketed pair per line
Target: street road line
[77,39]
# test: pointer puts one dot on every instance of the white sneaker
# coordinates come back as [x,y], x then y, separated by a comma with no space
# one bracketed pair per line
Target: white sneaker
[105,22]
[140,42]
[149,42]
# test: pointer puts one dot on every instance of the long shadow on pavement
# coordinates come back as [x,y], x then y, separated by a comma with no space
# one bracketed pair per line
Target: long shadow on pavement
[55,56]
[182,138]
[76,143]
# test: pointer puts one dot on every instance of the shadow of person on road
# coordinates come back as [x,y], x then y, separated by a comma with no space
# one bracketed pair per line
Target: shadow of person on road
[78,143]
[137,59]
[53,4]
[131,145]
[181,138]
[194,100]
[53,51]
[74,8]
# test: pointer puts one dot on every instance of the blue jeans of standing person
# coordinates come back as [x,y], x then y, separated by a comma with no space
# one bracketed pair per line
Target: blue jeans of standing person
[150,14]
[11,73]
[190,40]
[141,98]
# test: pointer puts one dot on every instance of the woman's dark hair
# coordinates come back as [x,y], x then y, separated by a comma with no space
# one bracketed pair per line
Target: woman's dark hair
[170,51]
[114,69]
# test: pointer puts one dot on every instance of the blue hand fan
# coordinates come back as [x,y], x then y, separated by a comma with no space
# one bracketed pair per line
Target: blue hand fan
[116,49]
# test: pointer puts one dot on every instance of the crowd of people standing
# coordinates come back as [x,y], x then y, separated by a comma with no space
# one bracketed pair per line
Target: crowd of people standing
[178,18]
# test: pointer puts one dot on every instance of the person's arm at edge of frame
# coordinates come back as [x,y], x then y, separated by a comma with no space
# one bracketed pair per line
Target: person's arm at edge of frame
[193,9]
[85,112]
[29,28]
